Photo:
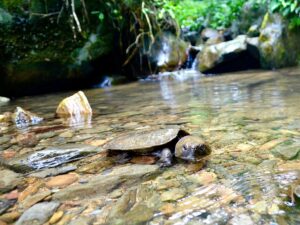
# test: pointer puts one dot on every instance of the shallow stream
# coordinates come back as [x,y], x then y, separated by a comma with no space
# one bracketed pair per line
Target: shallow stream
[250,119]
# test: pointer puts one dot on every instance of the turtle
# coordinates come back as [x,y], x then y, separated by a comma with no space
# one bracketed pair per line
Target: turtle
[160,143]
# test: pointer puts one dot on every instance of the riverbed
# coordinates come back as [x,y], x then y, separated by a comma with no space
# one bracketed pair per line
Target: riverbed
[250,119]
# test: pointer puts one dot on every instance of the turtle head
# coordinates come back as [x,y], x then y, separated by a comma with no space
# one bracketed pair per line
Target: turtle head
[195,152]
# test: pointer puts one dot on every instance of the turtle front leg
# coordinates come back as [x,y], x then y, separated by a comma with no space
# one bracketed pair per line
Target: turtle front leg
[166,158]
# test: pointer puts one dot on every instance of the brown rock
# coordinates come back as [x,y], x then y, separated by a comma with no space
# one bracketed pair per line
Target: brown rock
[12,195]
[8,154]
[56,217]
[27,140]
[76,104]
[62,180]
[10,217]
[32,200]
[143,160]
[31,189]
[2,223]
[5,117]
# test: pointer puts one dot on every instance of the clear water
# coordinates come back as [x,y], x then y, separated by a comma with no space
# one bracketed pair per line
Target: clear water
[248,118]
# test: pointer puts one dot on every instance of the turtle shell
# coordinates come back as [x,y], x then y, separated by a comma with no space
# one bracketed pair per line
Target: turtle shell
[144,141]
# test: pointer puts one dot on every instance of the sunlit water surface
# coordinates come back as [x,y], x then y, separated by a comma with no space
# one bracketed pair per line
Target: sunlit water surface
[247,118]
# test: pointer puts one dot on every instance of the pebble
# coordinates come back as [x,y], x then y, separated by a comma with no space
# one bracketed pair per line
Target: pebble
[32,200]
[9,180]
[67,134]
[173,194]
[38,214]
[62,180]
[27,140]
[10,217]
[56,217]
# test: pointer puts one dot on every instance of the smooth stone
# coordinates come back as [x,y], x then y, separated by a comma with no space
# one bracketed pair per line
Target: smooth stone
[139,214]
[82,220]
[203,178]
[32,200]
[271,144]
[74,105]
[5,205]
[127,174]
[9,180]
[53,171]
[243,219]
[67,134]
[27,140]
[173,194]
[10,217]
[56,217]
[4,100]
[38,214]
[296,190]
[62,180]
[260,207]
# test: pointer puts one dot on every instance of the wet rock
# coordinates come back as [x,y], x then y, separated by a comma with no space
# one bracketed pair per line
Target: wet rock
[287,150]
[173,194]
[51,157]
[226,56]
[8,180]
[82,221]
[211,36]
[3,100]
[32,200]
[278,44]
[168,52]
[27,140]
[260,207]
[271,144]
[67,134]
[10,217]
[38,214]
[5,117]
[53,171]
[74,105]
[56,217]
[139,214]
[296,191]
[23,118]
[62,180]
[203,177]
[191,148]
[5,205]
[127,174]
[241,219]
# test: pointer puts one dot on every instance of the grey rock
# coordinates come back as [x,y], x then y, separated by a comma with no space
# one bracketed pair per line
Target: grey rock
[3,100]
[24,118]
[53,171]
[8,180]
[104,183]
[38,214]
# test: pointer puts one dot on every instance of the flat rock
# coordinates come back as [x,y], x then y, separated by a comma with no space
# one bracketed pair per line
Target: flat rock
[62,180]
[53,171]
[8,180]
[50,157]
[104,183]
[38,214]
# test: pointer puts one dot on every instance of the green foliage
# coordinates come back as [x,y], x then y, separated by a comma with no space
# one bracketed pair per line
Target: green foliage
[290,9]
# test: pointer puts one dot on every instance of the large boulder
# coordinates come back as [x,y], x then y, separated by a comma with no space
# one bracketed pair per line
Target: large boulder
[229,56]
[168,52]
[278,44]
